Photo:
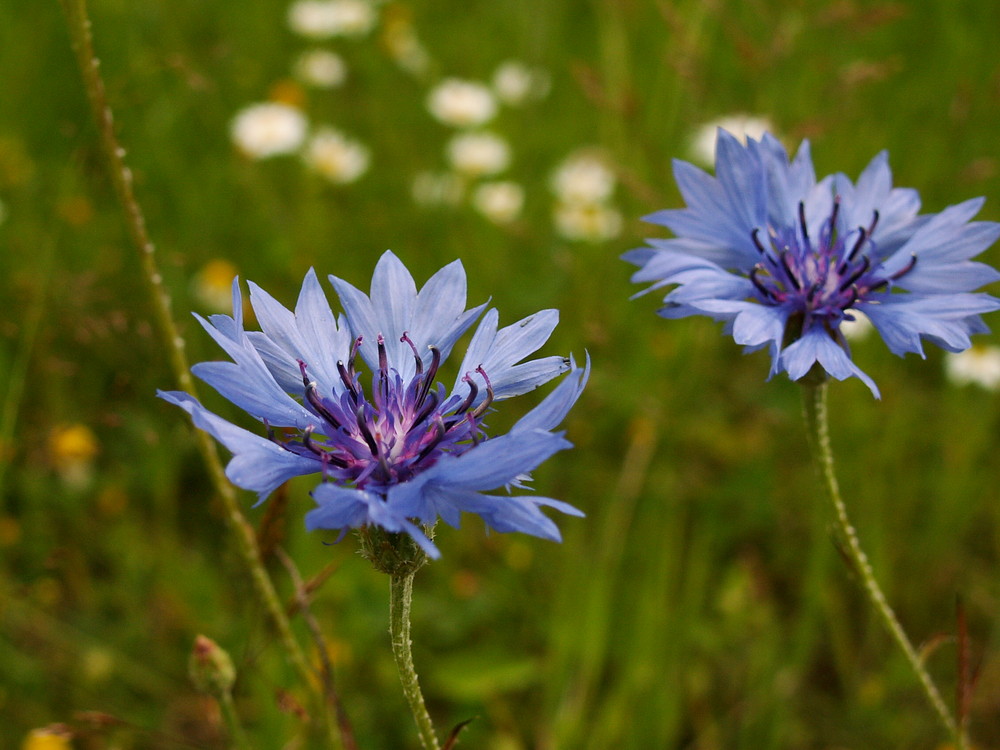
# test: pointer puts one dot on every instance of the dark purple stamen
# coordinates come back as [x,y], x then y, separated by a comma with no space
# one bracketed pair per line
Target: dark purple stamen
[788,269]
[313,397]
[871,227]
[439,434]
[348,381]
[862,236]
[905,270]
[428,377]
[478,411]
[833,214]
[818,282]
[857,274]
[383,438]
[413,347]
[471,398]
[802,223]
[365,432]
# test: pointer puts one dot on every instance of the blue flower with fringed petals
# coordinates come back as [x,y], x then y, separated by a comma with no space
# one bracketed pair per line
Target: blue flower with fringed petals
[395,449]
[783,259]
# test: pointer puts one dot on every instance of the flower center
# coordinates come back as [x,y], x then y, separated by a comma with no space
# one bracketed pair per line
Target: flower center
[822,276]
[399,430]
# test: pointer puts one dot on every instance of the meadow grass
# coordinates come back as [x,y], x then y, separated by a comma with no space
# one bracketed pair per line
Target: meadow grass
[701,603]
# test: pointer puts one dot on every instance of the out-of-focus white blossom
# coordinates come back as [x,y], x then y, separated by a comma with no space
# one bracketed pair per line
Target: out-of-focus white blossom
[702,144]
[269,129]
[590,222]
[516,83]
[500,202]
[335,156]
[857,329]
[462,104]
[322,19]
[320,68]
[979,365]
[478,154]
[437,189]
[584,177]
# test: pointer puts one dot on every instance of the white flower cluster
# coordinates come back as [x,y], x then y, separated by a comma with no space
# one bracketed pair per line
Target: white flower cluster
[262,131]
[584,186]
[475,156]
[475,153]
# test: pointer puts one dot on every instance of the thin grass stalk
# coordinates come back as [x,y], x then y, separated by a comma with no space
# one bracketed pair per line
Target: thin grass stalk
[817,422]
[326,667]
[79,24]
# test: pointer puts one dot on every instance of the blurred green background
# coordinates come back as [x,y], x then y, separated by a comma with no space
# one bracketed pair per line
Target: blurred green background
[700,604]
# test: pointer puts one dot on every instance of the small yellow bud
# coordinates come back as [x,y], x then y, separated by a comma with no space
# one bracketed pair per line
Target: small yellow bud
[55,737]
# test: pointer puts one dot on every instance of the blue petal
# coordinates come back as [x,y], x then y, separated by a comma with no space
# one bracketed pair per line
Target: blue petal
[256,392]
[499,461]
[347,508]
[942,248]
[436,316]
[491,464]
[327,339]
[440,317]
[947,320]
[817,346]
[506,513]
[499,351]
[550,413]
[258,464]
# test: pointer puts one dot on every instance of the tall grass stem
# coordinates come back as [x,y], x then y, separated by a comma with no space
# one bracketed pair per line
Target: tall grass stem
[817,422]
[79,24]
[400,599]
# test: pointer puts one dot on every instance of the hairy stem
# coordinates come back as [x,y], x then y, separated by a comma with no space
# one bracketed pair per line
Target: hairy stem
[79,25]
[400,598]
[817,422]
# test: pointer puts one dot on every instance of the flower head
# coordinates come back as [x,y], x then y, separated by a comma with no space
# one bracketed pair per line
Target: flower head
[500,202]
[584,177]
[321,19]
[477,154]
[462,104]
[335,156]
[321,68]
[784,259]
[395,447]
[269,129]
[516,83]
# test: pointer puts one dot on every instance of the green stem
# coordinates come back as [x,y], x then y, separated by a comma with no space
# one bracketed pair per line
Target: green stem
[237,735]
[817,422]
[79,24]
[400,597]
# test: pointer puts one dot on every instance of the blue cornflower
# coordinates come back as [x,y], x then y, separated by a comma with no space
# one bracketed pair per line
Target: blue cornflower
[398,447]
[783,259]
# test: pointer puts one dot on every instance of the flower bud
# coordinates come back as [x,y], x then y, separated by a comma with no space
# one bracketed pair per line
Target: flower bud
[210,667]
